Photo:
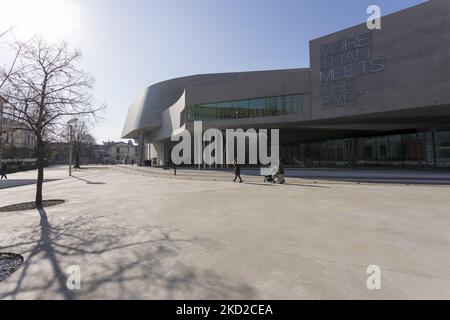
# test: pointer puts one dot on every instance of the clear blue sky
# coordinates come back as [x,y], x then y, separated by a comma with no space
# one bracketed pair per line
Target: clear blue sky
[128,45]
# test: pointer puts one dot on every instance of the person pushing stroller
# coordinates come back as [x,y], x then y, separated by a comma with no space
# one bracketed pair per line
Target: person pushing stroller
[276,174]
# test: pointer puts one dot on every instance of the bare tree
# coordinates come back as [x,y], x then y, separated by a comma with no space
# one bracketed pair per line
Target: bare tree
[81,140]
[4,75]
[45,90]
[85,148]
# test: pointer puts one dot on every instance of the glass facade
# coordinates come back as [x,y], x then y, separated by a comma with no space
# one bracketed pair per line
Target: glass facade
[428,149]
[249,108]
[442,143]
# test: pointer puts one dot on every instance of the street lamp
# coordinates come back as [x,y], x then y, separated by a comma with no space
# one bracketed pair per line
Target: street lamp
[70,123]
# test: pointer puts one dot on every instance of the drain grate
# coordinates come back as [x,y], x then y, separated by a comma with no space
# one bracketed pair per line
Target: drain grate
[9,262]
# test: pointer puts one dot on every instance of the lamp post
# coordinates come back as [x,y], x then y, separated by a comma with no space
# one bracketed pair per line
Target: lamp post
[69,123]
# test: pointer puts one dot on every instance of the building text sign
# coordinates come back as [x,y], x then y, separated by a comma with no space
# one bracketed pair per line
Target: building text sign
[341,64]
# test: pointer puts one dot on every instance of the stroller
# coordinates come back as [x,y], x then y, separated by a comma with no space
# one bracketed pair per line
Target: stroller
[271,177]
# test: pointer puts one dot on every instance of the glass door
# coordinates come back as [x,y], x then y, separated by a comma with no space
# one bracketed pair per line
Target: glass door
[349,152]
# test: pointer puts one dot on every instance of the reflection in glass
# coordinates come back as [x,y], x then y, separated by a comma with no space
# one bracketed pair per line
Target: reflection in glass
[256,108]
[248,108]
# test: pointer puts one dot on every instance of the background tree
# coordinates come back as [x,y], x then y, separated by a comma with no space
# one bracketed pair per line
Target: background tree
[81,140]
[46,89]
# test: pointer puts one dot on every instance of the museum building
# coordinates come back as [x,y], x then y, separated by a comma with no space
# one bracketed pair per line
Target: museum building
[369,98]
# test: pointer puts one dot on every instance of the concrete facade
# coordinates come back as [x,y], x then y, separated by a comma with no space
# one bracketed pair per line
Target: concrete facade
[361,83]
[415,46]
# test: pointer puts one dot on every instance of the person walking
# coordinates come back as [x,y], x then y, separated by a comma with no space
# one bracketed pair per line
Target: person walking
[3,171]
[280,174]
[237,171]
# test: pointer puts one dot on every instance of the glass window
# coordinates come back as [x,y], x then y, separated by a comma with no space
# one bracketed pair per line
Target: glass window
[189,114]
[442,140]
[293,104]
[366,151]
[225,111]
[295,154]
[339,152]
[256,107]
[410,150]
[383,150]
[312,154]
[195,113]
[241,108]
[301,154]
[422,150]
[396,151]
[209,112]
[324,154]
[274,106]
[429,149]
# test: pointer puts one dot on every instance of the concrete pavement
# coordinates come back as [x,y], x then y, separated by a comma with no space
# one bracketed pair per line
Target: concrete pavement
[373,175]
[148,235]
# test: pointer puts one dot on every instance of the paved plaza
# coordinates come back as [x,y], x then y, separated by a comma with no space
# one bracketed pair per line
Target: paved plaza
[146,234]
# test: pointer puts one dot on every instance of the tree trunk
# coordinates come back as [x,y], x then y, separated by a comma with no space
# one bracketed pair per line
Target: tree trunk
[77,156]
[40,177]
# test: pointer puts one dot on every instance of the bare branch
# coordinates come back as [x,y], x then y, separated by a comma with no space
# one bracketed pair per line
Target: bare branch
[44,89]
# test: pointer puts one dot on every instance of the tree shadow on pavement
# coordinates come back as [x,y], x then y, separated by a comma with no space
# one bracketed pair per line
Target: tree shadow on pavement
[87,181]
[116,262]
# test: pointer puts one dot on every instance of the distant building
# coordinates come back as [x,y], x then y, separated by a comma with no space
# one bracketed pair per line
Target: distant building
[106,153]
[17,141]
[58,153]
[121,151]
[97,153]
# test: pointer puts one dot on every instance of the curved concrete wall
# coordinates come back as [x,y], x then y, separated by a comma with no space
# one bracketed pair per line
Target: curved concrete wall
[396,78]
[148,115]
[171,119]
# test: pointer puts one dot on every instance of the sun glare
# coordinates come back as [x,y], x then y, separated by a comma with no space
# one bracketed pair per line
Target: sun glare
[52,18]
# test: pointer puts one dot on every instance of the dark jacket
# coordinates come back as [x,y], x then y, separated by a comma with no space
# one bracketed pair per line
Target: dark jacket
[237,168]
[281,168]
